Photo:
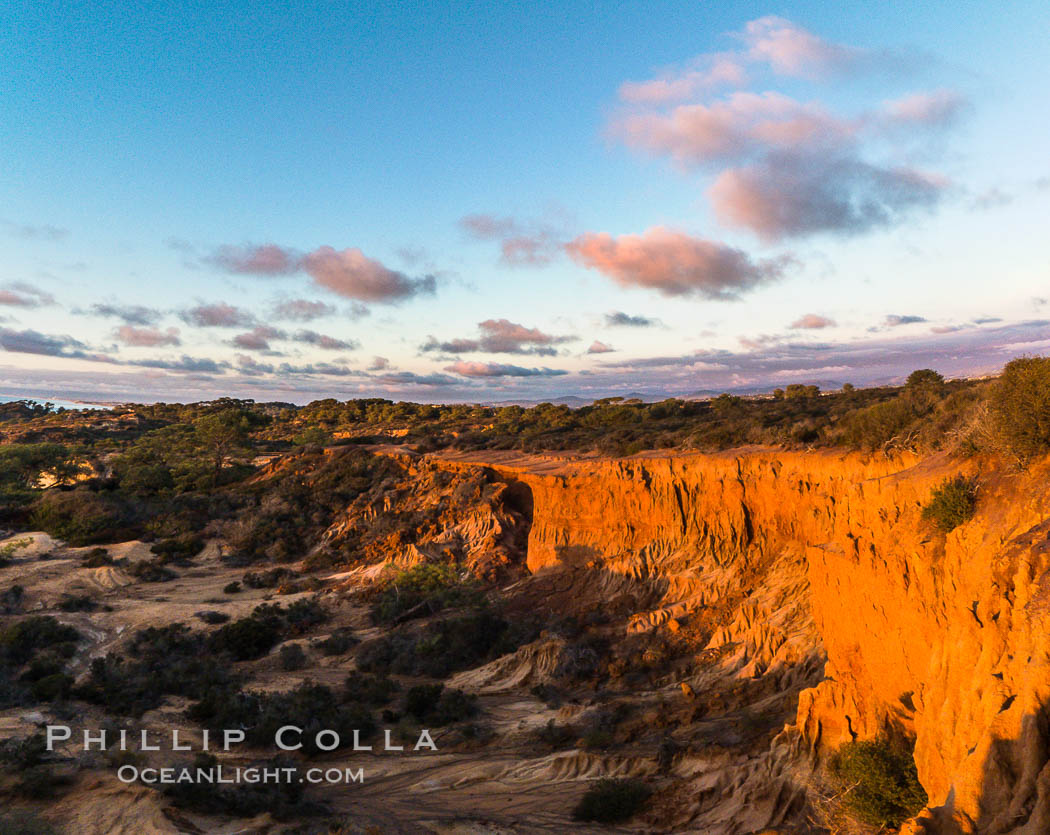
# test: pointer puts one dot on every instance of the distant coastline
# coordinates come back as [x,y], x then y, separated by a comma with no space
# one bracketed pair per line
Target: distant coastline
[57,402]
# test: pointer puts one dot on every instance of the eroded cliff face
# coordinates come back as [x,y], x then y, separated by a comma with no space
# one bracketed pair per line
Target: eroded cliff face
[945,637]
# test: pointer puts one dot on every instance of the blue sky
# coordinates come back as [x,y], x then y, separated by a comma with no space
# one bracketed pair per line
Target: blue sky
[485,201]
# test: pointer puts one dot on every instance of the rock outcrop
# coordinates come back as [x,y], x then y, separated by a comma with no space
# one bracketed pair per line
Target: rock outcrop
[946,637]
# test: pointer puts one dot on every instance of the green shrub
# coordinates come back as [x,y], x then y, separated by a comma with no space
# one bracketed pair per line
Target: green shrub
[250,637]
[432,704]
[880,783]
[284,799]
[338,642]
[19,753]
[20,641]
[179,549]
[231,588]
[52,687]
[875,426]
[612,801]
[8,549]
[303,615]
[24,823]
[952,503]
[151,571]
[370,690]
[267,579]
[254,636]
[41,782]
[96,558]
[312,707]
[291,657]
[924,378]
[42,646]
[1020,407]
[423,590]
[77,603]
[13,600]
[421,699]
[83,517]
[169,660]
[444,647]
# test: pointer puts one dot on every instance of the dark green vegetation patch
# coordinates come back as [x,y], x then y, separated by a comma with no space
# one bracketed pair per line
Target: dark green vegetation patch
[952,503]
[612,801]
[880,784]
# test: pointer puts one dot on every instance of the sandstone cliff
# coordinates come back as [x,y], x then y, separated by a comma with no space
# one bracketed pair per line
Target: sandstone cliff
[945,637]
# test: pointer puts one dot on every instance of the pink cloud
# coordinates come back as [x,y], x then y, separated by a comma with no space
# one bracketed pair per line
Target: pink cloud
[504,336]
[247,365]
[488,227]
[302,310]
[218,315]
[348,272]
[733,128]
[713,71]
[521,243]
[501,336]
[265,259]
[797,195]
[793,51]
[320,340]
[352,274]
[673,263]
[600,348]
[495,369]
[783,46]
[147,337]
[258,338]
[812,321]
[936,108]
[21,294]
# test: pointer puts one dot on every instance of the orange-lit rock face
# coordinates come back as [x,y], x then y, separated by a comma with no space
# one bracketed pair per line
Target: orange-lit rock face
[945,636]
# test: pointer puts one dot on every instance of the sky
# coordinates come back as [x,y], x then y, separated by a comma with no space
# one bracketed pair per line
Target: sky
[505,201]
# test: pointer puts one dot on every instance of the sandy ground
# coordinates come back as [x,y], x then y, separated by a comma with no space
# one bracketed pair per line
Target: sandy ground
[501,787]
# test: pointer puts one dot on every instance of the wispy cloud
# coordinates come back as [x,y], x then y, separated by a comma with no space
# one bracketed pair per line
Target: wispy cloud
[619,319]
[933,108]
[522,243]
[130,314]
[146,337]
[21,294]
[302,310]
[264,259]
[34,232]
[495,369]
[895,320]
[185,363]
[258,338]
[34,342]
[320,340]
[218,315]
[500,336]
